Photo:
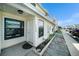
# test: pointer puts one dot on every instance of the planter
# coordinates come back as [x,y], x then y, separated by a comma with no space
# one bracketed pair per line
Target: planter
[42,47]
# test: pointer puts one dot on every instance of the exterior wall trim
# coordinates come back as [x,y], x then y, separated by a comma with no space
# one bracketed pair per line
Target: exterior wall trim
[33,9]
[36,11]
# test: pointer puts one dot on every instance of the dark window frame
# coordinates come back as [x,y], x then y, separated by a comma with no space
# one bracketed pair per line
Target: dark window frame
[20,34]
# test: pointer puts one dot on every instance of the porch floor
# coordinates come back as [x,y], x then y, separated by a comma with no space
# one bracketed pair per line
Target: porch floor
[17,50]
[56,48]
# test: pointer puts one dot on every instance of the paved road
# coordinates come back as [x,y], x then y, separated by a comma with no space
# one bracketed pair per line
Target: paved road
[58,47]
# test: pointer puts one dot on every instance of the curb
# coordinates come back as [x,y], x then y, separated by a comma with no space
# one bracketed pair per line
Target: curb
[44,49]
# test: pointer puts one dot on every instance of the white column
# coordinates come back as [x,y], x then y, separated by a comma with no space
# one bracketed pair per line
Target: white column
[35,31]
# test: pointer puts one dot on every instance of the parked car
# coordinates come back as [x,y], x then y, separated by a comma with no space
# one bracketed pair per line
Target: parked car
[75,32]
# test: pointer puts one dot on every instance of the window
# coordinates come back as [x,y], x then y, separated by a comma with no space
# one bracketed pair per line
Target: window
[13,28]
[41,28]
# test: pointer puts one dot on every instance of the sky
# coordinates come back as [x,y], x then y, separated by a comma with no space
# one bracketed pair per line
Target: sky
[65,13]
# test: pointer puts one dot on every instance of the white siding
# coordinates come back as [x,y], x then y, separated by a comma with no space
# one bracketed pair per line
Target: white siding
[0,32]
[30,28]
[38,40]
[45,30]
[10,42]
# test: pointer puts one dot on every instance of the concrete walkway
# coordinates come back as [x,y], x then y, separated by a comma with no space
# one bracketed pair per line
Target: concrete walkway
[58,47]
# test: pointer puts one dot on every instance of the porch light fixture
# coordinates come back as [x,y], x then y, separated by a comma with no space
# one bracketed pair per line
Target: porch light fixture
[20,11]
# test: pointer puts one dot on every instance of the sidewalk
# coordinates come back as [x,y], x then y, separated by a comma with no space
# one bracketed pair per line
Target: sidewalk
[72,44]
[58,47]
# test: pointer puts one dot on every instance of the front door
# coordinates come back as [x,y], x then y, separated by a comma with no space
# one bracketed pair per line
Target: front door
[30,31]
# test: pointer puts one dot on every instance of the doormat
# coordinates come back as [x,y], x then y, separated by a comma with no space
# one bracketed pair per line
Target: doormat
[27,46]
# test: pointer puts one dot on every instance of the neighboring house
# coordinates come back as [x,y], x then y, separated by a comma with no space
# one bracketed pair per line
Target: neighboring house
[24,22]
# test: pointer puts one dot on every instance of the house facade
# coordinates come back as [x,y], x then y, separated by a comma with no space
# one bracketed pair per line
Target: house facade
[24,22]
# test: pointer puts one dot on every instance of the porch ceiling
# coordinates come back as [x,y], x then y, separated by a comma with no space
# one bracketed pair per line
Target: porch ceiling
[10,9]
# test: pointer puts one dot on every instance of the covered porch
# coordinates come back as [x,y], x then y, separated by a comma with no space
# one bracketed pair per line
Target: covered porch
[16,17]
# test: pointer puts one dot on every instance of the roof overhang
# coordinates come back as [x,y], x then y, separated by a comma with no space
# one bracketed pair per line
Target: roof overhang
[36,11]
[28,6]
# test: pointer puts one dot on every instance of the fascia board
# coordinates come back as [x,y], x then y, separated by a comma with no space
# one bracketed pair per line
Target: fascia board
[36,11]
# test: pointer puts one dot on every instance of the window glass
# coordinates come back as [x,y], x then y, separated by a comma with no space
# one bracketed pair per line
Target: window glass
[13,28]
[41,28]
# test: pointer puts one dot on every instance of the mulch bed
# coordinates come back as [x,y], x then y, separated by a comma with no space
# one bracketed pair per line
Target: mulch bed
[41,46]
